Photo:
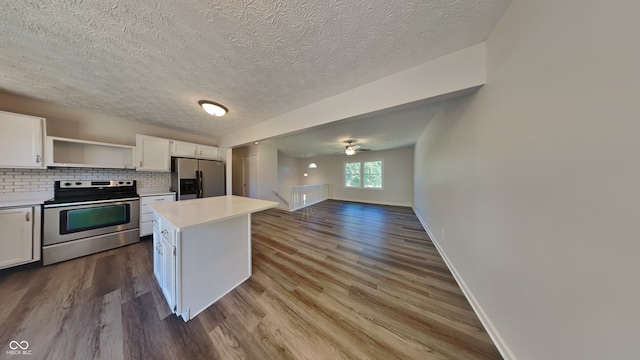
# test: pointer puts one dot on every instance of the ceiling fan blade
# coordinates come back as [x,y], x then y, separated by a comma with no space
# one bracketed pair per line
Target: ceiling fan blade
[356,147]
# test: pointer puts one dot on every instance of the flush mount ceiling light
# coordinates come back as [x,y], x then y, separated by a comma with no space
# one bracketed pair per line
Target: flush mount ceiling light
[212,108]
[313,166]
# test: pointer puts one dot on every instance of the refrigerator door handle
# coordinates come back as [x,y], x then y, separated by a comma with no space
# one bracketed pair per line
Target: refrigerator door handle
[200,185]
[197,183]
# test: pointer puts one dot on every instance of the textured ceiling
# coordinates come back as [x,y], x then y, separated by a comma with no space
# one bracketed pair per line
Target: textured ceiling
[381,131]
[152,60]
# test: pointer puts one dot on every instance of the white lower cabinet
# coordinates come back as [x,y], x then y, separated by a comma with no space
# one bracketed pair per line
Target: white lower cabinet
[164,260]
[146,215]
[168,272]
[157,242]
[19,235]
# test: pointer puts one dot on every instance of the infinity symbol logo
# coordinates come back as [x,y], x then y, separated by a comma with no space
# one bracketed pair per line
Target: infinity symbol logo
[23,345]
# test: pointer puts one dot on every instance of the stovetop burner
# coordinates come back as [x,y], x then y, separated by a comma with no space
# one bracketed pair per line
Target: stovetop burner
[73,191]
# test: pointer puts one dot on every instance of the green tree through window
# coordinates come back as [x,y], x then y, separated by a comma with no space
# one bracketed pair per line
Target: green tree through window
[373,174]
[352,174]
[366,174]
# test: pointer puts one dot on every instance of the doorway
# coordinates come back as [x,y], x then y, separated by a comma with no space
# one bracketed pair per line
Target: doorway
[250,176]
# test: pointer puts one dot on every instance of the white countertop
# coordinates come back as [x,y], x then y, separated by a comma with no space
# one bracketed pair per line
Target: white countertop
[24,199]
[151,191]
[191,213]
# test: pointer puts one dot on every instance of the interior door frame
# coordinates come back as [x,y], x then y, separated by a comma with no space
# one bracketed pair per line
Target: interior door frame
[253,180]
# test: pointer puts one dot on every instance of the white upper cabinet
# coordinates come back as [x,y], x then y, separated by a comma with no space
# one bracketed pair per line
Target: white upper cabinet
[88,154]
[181,148]
[187,149]
[207,152]
[21,141]
[152,153]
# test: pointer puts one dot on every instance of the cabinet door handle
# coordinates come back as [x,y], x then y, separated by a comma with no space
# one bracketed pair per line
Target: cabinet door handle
[165,232]
[28,216]
[160,249]
[38,159]
[140,163]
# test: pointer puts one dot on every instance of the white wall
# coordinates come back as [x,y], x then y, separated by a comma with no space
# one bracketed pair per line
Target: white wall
[81,124]
[267,169]
[448,76]
[535,181]
[237,171]
[289,174]
[461,72]
[88,125]
[397,176]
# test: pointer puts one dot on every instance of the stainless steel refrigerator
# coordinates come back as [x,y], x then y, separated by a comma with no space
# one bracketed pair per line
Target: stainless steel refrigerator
[193,178]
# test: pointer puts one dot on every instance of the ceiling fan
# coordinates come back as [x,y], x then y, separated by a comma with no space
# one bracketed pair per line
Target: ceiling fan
[351,149]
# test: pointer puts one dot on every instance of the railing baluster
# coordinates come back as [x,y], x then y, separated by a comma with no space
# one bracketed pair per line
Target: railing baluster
[306,195]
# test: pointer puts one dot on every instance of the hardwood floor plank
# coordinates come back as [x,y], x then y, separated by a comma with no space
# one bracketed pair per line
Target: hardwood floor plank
[336,280]
[187,340]
[108,274]
[111,342]
[144,334]
[211,317]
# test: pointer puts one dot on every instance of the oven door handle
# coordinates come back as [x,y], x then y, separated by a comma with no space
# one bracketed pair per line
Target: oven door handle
[91,202]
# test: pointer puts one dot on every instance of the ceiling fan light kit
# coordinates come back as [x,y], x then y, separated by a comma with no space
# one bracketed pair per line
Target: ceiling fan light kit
[350,149]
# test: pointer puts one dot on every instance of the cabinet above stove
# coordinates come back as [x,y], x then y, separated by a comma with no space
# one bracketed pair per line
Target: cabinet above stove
[89,154]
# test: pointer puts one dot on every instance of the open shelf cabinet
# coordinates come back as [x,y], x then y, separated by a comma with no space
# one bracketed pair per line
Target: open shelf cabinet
[89,154]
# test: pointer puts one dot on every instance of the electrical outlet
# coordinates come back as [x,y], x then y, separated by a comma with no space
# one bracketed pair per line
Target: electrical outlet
[442,231]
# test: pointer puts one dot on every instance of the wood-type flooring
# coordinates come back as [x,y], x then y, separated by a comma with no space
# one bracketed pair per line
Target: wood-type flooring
[336,280]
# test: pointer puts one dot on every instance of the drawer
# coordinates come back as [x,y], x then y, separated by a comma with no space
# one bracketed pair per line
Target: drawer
[167,232]
[146,228]
[156,222]
[144,200]
[145,209]
[146,217]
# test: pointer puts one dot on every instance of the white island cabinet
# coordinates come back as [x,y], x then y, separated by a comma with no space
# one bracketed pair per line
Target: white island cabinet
[202,249]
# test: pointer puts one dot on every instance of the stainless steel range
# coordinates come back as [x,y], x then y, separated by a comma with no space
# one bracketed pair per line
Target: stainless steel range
[87,217]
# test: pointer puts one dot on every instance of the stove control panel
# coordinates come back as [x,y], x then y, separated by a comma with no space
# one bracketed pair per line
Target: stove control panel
[75,184]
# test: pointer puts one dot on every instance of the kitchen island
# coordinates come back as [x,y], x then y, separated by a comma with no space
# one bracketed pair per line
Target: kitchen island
[202,249]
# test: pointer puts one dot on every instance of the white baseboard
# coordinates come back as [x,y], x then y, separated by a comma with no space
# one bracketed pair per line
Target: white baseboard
[371,202]
[484,319]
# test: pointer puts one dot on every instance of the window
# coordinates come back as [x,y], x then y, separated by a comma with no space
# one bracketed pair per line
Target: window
[366,174]
[373,174]
[352,174]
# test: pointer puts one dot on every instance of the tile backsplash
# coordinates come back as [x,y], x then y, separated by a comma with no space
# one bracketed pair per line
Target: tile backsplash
[29,180]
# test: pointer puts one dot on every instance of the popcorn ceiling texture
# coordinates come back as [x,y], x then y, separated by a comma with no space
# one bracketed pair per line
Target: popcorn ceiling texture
[27,180]
[152,60]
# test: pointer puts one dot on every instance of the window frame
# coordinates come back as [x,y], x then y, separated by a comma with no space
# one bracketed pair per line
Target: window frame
[362,174]
[344,174]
